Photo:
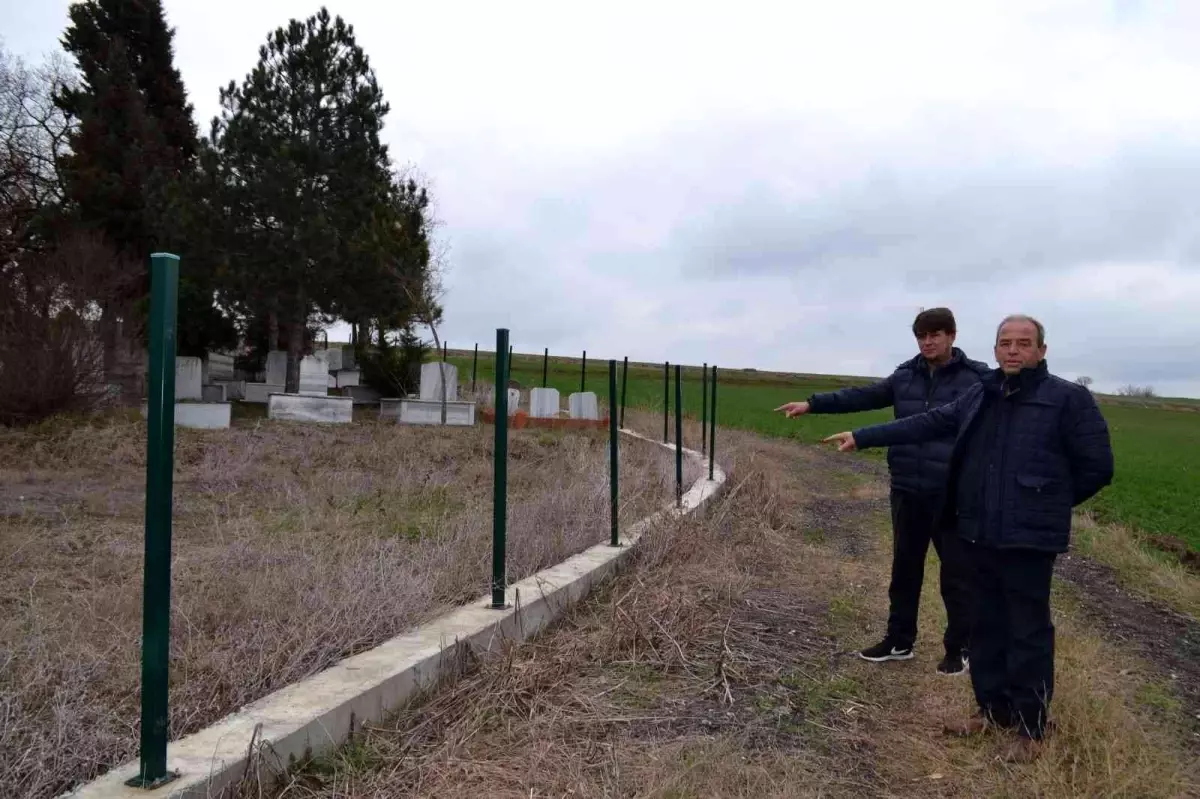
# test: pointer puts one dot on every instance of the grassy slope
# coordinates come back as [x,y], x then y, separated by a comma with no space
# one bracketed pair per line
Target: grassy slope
[1157,446]
[716,665]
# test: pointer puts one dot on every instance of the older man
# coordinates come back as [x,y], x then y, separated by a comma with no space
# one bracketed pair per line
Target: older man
[939,374]
[1029,447]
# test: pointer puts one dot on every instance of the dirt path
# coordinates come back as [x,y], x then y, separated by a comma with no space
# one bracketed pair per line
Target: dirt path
[1166,641]
[721,663]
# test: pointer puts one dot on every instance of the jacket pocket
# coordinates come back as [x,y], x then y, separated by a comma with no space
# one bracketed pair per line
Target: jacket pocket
[1041,512]
[1039,484]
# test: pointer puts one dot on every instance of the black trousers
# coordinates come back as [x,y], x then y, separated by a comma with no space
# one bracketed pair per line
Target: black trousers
[913,528]
[1012,639]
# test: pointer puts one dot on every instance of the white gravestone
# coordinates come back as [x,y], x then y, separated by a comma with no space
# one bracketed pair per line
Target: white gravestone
[300,408]
[348,377]
[333,357]
[276,368]
[220,367]
[260,392]
[314,377]
[514,400]
[584,405]
[188,383]
[431,388]
[234,389]
[414,411]
[543,403]
[200,415]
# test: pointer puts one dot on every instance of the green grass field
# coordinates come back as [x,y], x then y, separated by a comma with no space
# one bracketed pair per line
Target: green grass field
[1157,446]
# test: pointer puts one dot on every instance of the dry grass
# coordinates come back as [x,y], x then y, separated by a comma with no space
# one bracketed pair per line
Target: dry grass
[294,546]
[1139,567]
[721,664]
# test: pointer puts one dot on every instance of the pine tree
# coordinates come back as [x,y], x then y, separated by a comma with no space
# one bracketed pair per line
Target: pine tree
[304,175]
[132,157]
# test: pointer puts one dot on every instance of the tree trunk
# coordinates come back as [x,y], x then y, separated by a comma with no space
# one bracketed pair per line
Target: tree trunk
[272,331]
[295,344]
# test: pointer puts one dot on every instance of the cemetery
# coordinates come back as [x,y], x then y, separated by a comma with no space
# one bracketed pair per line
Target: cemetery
[295,544]
[284,550]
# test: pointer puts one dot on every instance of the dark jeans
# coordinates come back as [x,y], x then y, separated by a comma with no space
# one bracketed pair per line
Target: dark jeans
[1012,639]
[913,528]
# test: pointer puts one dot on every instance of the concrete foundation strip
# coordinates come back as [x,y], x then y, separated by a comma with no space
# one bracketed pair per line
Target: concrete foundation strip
[318,714]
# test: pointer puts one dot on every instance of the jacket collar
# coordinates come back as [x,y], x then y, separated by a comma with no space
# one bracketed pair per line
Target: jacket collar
[997,382]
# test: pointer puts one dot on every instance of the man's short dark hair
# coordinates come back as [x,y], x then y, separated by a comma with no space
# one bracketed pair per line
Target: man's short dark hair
[933,320]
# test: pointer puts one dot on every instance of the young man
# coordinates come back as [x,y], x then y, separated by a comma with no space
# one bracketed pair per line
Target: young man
[1029,447]
[938,375]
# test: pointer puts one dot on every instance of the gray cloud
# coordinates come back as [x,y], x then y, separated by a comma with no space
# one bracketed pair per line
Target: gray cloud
[947,224]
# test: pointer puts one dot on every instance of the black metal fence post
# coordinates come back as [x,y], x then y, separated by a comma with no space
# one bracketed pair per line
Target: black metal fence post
[704,409]
[500,473]
[678,436]
[545,367]
[160,471]
[613,462]
[624,385]
[712,425]
[666,399]
[474,366]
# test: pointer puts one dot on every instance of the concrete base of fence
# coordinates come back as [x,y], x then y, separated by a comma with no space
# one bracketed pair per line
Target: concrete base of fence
[318,714]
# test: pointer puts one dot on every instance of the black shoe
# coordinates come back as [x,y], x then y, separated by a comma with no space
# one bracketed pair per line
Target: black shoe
[887,649]
[956,663]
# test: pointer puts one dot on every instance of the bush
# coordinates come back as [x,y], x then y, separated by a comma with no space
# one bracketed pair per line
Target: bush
[1140,392]
[48,365]
[52,351]
[394,370]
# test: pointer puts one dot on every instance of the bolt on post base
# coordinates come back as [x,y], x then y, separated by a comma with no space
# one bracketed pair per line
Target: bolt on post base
[140,782]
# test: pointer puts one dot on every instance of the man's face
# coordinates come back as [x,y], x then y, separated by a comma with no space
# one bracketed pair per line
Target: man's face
[1017,347]
[935,346]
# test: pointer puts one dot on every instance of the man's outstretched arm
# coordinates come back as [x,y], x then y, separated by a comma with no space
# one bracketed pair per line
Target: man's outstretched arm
[848,400]
[929,426]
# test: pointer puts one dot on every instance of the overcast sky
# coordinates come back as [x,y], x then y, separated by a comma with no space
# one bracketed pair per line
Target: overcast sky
[781,185]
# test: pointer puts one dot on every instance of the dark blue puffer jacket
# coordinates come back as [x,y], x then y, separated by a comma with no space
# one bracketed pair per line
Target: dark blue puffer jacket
[1038,446]
[916,468]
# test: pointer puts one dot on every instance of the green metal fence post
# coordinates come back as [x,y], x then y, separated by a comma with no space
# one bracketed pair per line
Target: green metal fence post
[666,399]
[474,366]
[613,462]
[500,474]
[704,409]
[678,436]
[712,424]
[445,349]
[624,385]
[583,374]
[545,367]
[160,467]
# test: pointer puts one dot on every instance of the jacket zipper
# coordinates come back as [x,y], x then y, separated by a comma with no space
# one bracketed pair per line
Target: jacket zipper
[1007,407]
[928,398]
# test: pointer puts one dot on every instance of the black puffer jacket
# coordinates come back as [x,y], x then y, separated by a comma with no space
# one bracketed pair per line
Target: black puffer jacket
[1028,449]
[911,389]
